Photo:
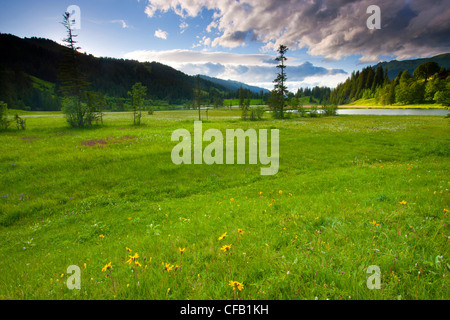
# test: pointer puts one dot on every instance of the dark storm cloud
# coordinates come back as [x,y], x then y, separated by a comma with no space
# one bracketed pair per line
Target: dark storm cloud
[329,28]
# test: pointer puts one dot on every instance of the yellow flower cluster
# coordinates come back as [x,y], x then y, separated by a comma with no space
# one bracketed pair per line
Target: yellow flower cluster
[236,285]
[133,259]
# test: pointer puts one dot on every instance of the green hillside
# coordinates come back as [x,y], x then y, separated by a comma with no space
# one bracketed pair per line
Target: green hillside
[29,79]
[395,67]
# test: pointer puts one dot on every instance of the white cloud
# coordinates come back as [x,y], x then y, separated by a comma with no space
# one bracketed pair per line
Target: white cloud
[330,28]
[183,27]
[258,69]
[123,22]
[161,34]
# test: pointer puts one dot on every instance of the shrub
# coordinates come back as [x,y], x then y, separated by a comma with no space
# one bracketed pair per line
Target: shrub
[314,112]
[256,113]
[4,122]
[329,110]
[20,123]
[77,113]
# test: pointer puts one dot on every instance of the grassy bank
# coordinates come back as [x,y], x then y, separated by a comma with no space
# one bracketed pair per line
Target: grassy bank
[351,192]
[371,104]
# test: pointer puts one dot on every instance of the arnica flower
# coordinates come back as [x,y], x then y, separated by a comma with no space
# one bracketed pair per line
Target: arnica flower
[403,202]
[236,285]
[182,250]
[128,249]
[374,223]
[107,267]
[232,199]
[240,231]
[101,236]
[133,258]
[446,210]
[226,247]
[222,236]
[168,267]
[280,192]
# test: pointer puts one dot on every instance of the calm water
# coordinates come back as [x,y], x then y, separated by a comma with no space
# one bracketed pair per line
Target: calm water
[396,112]
[390,112]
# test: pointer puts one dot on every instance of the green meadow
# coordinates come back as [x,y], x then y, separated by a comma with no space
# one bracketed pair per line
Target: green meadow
[351,192]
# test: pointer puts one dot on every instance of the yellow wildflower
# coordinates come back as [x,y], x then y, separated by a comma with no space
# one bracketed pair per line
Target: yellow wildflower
[226,247]
[168,267]
[403,202]
[133,258]
[280,192]
[107,267]
[181,250]
[222,236]
[128,249]
[240,231]
[101,236]
[236,285]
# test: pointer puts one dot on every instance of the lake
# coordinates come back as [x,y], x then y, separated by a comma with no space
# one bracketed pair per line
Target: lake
[389,112]
[396,112]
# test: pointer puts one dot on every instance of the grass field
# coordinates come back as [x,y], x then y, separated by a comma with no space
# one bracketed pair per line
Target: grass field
[351,192]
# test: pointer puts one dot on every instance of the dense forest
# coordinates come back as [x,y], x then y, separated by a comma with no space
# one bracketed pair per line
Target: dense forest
[29,77]
[429,83]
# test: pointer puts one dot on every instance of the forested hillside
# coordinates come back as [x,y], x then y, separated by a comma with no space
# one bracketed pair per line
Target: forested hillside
[29,71]
[428,83]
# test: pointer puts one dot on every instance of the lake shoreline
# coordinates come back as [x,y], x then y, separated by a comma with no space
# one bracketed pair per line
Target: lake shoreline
[419,107]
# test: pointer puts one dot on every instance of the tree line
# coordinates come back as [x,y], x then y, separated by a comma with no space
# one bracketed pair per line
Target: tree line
[429,83]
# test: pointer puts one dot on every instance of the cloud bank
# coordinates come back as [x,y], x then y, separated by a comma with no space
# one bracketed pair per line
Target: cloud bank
[254,69]
[329,28]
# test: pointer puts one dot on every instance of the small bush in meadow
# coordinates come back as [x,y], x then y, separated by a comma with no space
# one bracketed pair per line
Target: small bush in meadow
[329,110]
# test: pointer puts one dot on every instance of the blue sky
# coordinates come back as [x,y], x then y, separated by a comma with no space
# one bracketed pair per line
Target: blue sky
[236,40]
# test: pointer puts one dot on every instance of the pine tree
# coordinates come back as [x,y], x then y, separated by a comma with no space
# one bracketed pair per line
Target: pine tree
[198,97]
[280,88]
[73,81]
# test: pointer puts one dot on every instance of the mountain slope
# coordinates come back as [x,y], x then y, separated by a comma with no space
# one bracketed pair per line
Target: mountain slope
[394,67]
[23,62]
[234,85]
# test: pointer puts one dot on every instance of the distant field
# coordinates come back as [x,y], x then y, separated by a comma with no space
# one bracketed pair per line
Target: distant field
[351,192]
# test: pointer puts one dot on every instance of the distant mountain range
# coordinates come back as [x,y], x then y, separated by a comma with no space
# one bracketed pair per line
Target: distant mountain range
[235,85]
[394,67]
[29,76]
